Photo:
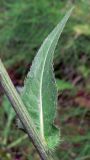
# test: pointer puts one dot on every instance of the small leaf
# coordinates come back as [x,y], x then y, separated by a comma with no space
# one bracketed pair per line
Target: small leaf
[62,85]
[39,92]
[10,116]
[7,108]
[7,105]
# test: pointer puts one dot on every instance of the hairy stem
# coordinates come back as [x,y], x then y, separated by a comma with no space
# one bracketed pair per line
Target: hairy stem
[23,114]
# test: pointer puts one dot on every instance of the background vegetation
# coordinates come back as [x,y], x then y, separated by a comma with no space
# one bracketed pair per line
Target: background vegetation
[23,26]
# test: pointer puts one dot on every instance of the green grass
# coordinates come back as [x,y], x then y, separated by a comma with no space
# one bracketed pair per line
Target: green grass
[24,25]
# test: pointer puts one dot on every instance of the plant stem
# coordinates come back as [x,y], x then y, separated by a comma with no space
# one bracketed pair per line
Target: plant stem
[7,129]
[23,114]
[17,142]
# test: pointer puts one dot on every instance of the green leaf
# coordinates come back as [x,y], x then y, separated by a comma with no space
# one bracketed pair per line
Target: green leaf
[7,108]
[62,85]
[39,92]
[7,105]
[10,116]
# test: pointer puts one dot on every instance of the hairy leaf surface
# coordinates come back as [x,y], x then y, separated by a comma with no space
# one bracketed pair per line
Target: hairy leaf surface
[39,92]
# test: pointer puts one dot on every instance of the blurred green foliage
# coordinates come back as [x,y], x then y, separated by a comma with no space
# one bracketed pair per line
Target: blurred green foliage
[25,23]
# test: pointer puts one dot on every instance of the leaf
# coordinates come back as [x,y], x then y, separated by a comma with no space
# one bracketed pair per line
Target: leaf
[10,116]
[63,85]
[7,105]
[7,108]
[39,92]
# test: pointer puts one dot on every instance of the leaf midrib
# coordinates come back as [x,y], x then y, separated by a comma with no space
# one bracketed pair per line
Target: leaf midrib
[40,100]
